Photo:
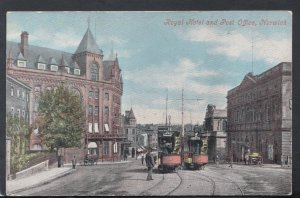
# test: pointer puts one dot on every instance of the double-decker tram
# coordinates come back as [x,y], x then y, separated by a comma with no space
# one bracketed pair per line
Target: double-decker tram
[195,155]
[168,149]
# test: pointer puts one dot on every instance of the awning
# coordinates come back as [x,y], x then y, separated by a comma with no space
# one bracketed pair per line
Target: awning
[92,145]
[106,127]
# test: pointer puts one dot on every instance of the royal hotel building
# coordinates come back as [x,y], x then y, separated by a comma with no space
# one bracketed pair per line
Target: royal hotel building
[97,81]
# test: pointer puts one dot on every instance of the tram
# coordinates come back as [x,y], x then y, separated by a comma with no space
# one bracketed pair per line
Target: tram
[196,155]
[168,149]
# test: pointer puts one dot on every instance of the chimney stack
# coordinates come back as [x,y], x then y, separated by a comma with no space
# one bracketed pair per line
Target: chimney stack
[24,44]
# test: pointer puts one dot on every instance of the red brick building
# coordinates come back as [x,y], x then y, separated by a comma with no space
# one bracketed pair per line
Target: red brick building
[97,81]
[259,113]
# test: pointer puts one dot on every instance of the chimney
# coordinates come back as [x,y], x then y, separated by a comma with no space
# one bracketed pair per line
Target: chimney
[24,44]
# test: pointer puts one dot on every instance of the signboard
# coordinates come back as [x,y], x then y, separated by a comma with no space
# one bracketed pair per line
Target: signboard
[270,151]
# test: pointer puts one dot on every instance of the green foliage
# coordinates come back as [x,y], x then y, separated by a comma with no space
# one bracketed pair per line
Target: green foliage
[18,130]
[60,118]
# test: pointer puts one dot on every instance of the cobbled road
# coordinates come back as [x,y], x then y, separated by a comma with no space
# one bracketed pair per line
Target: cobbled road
[129,179]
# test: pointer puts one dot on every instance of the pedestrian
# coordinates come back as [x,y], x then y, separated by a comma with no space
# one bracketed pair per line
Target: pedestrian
[149,163]
[125,156]
[217,159]
[74,162]
[142,159]
[230,162]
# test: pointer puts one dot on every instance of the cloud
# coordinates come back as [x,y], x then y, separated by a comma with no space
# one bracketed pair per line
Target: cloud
[13,32]
[185,74]
[237,45]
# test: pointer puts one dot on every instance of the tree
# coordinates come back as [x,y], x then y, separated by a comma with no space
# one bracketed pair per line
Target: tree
[60,118]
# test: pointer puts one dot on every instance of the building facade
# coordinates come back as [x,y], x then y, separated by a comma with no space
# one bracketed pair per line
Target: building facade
[215,129]
[130,132]
[260,115]
[17,98]
[97,81]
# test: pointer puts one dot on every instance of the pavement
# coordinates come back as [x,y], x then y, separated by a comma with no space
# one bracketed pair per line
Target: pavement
[44,177]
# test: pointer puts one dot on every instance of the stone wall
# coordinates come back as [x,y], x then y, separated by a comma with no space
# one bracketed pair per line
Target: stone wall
[32,170]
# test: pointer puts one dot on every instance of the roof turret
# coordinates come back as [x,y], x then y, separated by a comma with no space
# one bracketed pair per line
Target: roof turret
[88,44]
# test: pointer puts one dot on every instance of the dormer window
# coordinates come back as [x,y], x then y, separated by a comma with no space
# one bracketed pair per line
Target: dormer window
[41,66]
[21,63]
[67,69]
[54,68]
[77,72]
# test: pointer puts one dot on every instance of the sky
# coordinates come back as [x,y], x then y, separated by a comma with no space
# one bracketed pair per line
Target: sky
[205,53]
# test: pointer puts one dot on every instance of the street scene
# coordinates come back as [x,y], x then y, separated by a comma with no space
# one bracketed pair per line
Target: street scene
[149,103]
[121,180]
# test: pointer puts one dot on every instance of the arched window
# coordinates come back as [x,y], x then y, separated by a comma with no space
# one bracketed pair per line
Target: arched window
[94,72]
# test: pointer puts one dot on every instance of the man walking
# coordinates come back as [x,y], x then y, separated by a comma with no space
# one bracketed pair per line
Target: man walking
[142,159]
[149,163]
[74,162]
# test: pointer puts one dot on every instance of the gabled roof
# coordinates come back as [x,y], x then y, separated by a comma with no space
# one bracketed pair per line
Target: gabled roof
[20,56]
[52,61]
[248,80]
[40,59]
[88,44]
[35,51]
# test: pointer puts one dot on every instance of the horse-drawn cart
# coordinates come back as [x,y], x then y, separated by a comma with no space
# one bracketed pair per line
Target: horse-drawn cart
[90,160]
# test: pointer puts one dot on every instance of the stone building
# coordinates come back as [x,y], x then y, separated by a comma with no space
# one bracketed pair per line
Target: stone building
[215,129]
[260,115]
[97,81]
[17,98]
[130,131]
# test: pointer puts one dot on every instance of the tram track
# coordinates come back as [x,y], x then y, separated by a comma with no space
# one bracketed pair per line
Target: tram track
[163,179]
[231,181]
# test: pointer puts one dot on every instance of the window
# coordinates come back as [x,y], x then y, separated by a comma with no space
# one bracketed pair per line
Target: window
[12,109]
[105,147]
[97,94]
[94,72]
[41,66]
[19,113]
[126,131]
[77,71]
[106,109]
[37,147]
[23,113]
[106,95]
[27,97]
[54,68]
[90,109]
[133,131]
[67,69]
[36,103]
[11,91]
[91,94]
[90,127]
[18,93]
[23,95]
[96,110]
[21,63]
[96,128]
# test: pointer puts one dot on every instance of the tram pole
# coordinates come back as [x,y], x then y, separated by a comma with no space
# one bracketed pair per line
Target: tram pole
[182,131]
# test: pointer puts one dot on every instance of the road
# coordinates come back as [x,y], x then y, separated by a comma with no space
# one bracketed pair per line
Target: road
[130,179]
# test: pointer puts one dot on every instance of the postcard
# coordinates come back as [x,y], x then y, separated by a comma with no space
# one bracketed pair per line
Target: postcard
[147,103]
